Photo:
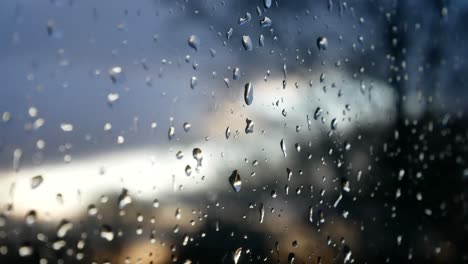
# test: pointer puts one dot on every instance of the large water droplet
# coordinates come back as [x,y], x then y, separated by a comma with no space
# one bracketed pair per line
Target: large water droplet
[249,128]
[245,19]
[236,73]
[265,22]
[248,93]
[235,181]
[262,213]
[318,113]
[193,82]
[124,199]
[194,42]
[36,181]
[322,43]
[283,147]
[106,233]
[247,43]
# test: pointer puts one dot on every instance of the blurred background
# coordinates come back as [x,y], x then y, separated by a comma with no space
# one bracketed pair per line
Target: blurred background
[210,131]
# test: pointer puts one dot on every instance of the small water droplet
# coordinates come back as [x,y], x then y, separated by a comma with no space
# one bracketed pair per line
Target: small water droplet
[267,3]
[228,132]
[187,126]
[194,42]
[237,255]
[31,217]
[248,93]
[171,132]
[25,250]
[283,147]
[179,155]
[66,127]
[236,73]
[193,82]
[63,228]
[106,233]
[245,19]
[36,181]
[229,33]
[322,43]
[197,155]
[318,113]
[235,181]
[262,213]
[124,199]
[249,128]
[265,22]
[116,74]
[188,170]
[334,124]
[247,43]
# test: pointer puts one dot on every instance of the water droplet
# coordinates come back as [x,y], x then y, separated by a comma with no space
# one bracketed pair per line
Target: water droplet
[92,210]
[228,132]
[245,19]
[229,33]
[197,155]
[179,155]
[187,126]
[171,132]
[334,124]
[193,82]
[311,214]
[318,113]
[291,258]
[283,148]
[236,73]
[249,128]
[267,3]
[188,170]
[265,22]
[248,93]
[156,203]
[36,181]
[112,97]
[63,228]
[66,127]
[25,250]
[262,213]
[106,233]
[116,74]
[322,43]
[247,43]
[31,217]
[237,255]
[235,181]
[124,199]
[194,42]
[261,41]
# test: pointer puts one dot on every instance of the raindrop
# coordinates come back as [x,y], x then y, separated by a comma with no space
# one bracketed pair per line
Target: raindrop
[245,19]
[237,255]
[229,33]
[265,22]
[267,3]
[92,210]
[116,74]
[248,93]
[228,132]
[124,199]
[31,217]
[106,233]
[63,228]
[179,155]
[261,41]
[247,43]
[283,147]
[197,155]
[235,181]
[25,250]
[36,181]
[66,127]
[262,213]
[291,258]
[187,126]
[318,113]
[322,43]
[171,132]
[333,124]
[249,128]
[236,73]
[188,170]
[112,98]
[193,82]
[194,42]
